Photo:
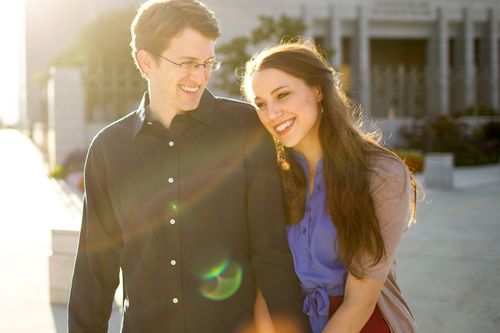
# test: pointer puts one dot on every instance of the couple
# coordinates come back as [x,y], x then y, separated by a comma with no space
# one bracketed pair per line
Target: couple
[185,197]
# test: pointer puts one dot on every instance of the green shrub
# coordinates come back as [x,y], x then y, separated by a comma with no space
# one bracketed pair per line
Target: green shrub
[480,110]
[414,159]
[58,172]
[450,134]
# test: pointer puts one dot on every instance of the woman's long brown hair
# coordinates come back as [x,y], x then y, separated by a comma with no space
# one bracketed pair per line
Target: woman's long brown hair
[347,153]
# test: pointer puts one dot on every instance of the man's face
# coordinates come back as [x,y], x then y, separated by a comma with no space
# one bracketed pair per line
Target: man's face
[181,88]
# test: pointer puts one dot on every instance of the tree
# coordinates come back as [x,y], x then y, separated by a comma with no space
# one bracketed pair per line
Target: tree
[236,52]
[113,84]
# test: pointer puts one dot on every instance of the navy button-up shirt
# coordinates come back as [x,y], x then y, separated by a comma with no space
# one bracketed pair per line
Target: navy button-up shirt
[192,215]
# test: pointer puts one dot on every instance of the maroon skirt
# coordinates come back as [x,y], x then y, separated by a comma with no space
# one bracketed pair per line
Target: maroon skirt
[376,323]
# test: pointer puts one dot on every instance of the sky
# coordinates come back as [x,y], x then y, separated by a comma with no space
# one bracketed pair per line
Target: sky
[10,60]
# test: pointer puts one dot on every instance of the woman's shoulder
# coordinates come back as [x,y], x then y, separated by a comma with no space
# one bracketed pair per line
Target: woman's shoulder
[387,166]
[388,172]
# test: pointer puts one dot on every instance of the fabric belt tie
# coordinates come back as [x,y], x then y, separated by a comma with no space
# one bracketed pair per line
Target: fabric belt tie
[317,303]
[316,306]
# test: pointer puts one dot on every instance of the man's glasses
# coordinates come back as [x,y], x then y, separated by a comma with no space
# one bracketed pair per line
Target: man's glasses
[191,66]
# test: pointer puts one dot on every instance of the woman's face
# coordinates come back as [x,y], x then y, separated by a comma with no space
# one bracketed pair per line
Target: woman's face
[287,107]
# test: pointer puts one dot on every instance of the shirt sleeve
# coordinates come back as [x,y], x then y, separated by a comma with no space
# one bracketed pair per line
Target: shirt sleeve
[96,271]
[391,191]
[271,257]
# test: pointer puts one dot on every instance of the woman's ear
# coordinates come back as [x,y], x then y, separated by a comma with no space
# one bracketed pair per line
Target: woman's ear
[146,62]
[319,94]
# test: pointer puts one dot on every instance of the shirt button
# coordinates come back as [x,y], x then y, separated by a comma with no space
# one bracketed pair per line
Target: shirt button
[170,180]
[304,230]
[171,143]
[172,221]
[173,262]
[175,300]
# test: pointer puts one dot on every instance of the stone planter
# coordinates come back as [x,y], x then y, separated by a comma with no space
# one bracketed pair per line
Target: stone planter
[61,262]
[438,170]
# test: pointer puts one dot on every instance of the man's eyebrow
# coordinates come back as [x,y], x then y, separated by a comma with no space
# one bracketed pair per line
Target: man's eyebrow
[196,59]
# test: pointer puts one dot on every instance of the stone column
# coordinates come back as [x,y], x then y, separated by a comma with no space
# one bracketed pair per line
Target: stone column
[438,68]
[464,55]
[360,60]
[308,20]
[66,106]
[335,37]
[489,60]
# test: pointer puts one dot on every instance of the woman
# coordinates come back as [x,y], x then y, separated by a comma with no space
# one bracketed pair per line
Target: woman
[348,199]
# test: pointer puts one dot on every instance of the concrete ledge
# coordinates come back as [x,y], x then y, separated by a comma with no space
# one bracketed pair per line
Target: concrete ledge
[61,262]
[64,243]
[438,170]
[60,272]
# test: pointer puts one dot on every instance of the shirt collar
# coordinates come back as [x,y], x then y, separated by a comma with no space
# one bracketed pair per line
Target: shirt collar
[303,163]
[203,113]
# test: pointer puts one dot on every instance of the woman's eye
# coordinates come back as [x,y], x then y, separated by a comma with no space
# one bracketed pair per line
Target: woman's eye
[283,94]
[259,105]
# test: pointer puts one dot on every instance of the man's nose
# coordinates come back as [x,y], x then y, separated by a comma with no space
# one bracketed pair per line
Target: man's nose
[198,74]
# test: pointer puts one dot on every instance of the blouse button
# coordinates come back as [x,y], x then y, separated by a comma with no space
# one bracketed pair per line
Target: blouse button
[304,230]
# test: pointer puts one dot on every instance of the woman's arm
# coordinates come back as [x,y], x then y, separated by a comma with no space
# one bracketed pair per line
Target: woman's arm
[390,190]
[360,299]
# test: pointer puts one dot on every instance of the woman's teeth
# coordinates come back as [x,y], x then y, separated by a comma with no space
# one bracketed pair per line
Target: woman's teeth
[283,126]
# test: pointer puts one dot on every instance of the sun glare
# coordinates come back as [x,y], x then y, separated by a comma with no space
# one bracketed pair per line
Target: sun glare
[10,34]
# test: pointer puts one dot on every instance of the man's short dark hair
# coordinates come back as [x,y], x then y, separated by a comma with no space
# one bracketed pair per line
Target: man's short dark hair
[158,21]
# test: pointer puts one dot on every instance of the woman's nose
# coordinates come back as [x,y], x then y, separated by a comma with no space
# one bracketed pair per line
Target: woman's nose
[274,111]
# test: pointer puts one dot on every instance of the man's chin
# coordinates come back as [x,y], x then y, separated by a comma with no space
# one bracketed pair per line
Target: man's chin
[192,105]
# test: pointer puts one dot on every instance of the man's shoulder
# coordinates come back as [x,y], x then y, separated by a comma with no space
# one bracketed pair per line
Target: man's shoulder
[117,131]
[232,105]
[235,111]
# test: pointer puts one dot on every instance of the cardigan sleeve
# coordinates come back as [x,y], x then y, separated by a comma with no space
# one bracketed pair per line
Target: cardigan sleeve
[391,194]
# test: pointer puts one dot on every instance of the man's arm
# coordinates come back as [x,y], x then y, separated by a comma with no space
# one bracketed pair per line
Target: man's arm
[95,276]
[271,257]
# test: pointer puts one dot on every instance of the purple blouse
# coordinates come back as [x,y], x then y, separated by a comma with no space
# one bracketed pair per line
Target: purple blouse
[311,241]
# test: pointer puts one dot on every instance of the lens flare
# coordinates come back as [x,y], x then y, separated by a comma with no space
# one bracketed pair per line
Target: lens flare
[215,271]
[222,282]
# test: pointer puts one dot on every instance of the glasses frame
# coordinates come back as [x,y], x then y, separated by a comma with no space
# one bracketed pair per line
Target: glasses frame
[185,65]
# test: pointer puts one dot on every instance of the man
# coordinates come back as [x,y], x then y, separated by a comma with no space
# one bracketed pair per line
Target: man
[183,196]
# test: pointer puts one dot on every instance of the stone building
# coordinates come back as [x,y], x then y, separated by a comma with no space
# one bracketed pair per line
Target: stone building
[398,58]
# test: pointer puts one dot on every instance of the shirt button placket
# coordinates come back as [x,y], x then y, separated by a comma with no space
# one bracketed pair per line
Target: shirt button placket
[173,231]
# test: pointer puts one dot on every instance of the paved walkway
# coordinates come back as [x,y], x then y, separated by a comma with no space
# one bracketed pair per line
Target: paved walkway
[30,204]
[449,263]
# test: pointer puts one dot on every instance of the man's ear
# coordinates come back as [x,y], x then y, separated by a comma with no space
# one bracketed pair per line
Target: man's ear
[146,62]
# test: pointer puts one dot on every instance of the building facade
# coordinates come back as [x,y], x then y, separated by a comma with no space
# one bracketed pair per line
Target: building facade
[399,59]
